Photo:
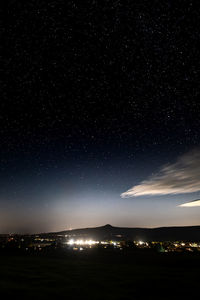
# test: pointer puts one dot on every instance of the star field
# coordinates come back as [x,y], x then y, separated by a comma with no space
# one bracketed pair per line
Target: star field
[95,96]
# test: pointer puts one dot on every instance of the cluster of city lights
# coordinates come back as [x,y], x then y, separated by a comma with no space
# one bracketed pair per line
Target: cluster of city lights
[82,242]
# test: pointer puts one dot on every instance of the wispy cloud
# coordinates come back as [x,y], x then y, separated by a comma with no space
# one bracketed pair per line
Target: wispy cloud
[191,203]
[181,177]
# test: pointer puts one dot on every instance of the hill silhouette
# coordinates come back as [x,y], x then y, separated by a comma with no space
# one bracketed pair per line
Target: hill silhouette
[109,232]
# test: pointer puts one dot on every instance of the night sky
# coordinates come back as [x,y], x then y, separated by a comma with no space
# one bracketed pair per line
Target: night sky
[99,114]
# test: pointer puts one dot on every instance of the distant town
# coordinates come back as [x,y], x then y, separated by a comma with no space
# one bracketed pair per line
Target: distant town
[107,238]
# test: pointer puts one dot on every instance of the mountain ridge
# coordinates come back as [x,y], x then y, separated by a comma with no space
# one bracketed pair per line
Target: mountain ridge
[171,233]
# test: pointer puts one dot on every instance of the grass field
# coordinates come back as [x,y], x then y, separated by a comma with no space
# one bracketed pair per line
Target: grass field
[100,276]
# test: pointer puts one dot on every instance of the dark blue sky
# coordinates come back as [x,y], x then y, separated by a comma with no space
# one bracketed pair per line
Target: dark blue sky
[96,99]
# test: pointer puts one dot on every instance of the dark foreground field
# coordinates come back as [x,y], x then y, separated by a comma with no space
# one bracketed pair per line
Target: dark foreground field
[100,276]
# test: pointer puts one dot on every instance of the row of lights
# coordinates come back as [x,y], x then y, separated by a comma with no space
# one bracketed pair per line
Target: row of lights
[72,242]
[82,242]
